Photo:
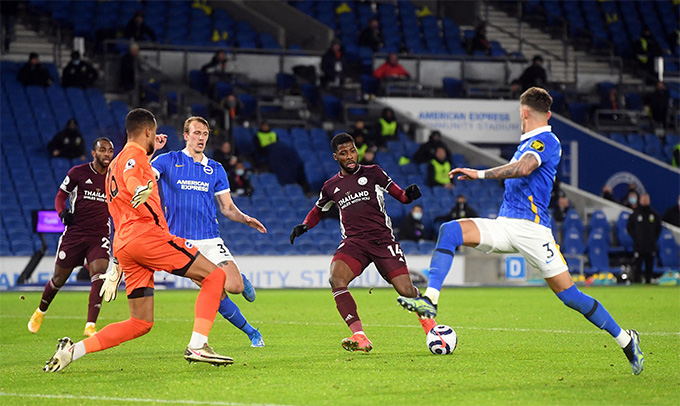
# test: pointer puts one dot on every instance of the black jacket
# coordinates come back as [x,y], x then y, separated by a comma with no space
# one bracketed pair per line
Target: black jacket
[69,142]
[426,152]
[458,211]
[328,67]
[644,225]
[80,74]
[411,229]
[37,74]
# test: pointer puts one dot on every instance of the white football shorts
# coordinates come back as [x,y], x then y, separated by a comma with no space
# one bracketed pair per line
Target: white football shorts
[214,249]
[534,241]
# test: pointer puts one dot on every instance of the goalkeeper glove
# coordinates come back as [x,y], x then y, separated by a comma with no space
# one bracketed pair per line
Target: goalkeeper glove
[298,230]
[66,217]
[413,192]
[141,194]
[112,279]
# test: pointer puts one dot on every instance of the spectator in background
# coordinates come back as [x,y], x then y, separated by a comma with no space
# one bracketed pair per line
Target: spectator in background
[386,129]
[675,158]
[391,69]
[34,73]
[644,226]
[360,143]
[426,152]
[359,129]
[645,50]
[608,193]
[479,42]
[561,209]
[515,89]
[632,197]
[612,100]
[68,143]
[534,75]
[232,116]
[371,36]
[239,181]
[78,73]
[369,158]
[217,65]
[659,102]
[412,228]
[264,139]
[672,214]
[137,30]
[224,155]
[459,211]
[438,170]
[334,65]
[129,65]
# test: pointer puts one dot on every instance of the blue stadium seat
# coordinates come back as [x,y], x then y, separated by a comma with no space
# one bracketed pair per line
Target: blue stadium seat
[598,253]
[669,252]
[332,107]
[625,240]
[598,221]
[573,220]
[572,243]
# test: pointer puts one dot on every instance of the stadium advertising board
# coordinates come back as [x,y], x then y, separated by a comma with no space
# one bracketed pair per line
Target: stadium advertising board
[265,272]
[477,121]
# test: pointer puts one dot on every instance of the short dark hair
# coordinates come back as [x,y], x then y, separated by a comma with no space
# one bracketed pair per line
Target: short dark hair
[94,144]
[340,139]
[138,119]
[537,99]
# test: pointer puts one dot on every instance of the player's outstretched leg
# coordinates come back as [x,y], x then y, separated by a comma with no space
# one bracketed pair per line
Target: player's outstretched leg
[450,238]
[230,311]
[628,340]
[347,308]
[62,357]
[248,289]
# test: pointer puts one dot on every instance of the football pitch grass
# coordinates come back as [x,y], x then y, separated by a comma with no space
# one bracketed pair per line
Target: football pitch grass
[515,346]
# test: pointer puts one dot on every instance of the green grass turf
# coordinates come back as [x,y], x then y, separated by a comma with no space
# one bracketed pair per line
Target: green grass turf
[516,346]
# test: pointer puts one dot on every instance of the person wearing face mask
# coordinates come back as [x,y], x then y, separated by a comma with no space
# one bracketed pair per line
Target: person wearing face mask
[631,199]
[459,211]
[240,181]
[644,226]
[412,228]
[78,73]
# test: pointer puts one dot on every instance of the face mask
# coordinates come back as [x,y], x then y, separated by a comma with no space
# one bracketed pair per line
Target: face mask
[632,200]
[240,172]
[417,215]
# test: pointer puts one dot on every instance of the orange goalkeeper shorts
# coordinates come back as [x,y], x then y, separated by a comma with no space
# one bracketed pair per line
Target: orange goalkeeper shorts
[154,252]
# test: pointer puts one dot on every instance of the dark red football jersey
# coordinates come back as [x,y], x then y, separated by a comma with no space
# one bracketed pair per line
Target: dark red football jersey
[360,198]
[87,195]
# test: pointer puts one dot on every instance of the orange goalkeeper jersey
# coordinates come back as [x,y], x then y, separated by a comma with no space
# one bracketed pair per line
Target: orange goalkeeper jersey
[130,169]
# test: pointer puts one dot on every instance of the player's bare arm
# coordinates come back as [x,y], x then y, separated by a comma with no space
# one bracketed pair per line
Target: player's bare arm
[520,168]
[233,213]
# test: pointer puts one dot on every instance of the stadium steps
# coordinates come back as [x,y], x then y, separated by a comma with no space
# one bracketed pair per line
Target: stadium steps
[538,42]
[27,41]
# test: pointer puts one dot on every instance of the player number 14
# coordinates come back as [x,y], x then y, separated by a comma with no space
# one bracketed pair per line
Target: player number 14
[395,250]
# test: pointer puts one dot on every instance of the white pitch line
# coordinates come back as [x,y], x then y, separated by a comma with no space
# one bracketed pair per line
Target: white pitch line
[135,400]
[304,323]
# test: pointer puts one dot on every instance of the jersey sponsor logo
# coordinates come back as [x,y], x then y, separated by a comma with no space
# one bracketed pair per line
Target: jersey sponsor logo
[129,164]
[178,166]
[337,189]
[362,181]
[187,184]
[208,170]
[537,145]
[88,182]
[352,198]
[62,255]
[97,195]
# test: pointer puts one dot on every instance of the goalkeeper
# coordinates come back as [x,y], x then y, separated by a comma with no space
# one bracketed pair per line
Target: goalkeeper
[143,244]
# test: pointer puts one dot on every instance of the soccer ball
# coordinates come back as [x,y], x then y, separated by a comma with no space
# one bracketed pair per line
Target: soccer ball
[442,340]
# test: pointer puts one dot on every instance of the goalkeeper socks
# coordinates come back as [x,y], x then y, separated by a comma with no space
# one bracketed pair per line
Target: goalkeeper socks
[78,350]
[117,333]
[450,238]
[230,311]
[48,295]
[208,301]
[591,309]
[347,308]
[95,303]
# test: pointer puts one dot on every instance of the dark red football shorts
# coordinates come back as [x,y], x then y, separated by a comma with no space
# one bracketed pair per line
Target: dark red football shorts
[73,249]
[386,255]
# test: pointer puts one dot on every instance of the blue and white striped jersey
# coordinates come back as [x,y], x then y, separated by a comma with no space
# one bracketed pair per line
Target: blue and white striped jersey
[528,197]
[189,190]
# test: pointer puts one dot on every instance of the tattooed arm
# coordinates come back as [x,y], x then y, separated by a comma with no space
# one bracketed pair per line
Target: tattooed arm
[522,167]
